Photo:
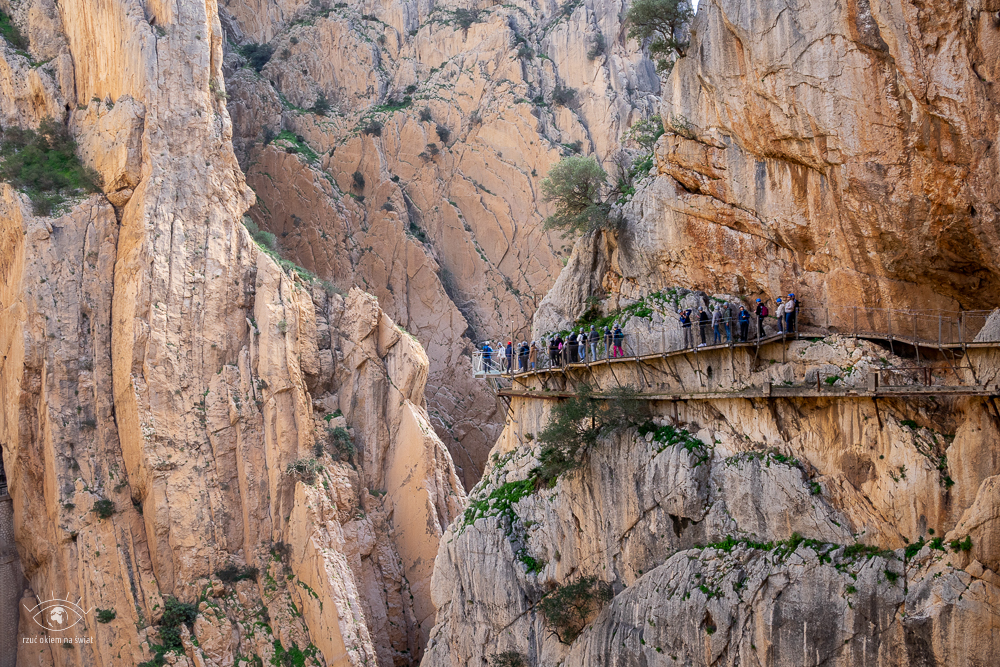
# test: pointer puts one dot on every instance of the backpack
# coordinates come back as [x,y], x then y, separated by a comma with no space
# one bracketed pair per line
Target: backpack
[763,311]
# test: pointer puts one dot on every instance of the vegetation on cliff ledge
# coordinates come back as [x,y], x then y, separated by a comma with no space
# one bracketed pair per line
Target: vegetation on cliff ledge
[44,165]
[664,23]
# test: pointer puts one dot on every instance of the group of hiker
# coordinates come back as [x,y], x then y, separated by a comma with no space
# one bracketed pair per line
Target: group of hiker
[735,323]
[724,320]
[574,348]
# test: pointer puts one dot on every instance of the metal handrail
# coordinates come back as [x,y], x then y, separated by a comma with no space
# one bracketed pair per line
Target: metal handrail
[932,327]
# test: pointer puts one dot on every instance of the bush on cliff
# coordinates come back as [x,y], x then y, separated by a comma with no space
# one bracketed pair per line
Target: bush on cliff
[664,23]
[575,186]
[44,165]
[257,55]
[578,423]
[569,608]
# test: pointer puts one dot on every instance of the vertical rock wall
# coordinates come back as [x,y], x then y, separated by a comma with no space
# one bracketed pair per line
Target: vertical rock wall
[422,181]
[847,153]
[154,358]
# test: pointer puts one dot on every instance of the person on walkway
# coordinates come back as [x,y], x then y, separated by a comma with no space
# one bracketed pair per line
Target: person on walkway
[533,355]
[727,322]
[685,320]
[522,356]
[561,353]
[744,319]
[779,312]
[554,352]
[703,322]
[716,325]
[509,353]
[761,313]
[592,338]
[791,308]
[487,357]
[582,343]
[571,349]
[619,337]
[607,342]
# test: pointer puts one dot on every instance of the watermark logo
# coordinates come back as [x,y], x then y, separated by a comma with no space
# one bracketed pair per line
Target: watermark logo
[56,615]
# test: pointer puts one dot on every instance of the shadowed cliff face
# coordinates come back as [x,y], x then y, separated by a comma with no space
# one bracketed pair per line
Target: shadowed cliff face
[171,396]
[421,182]
[848,153]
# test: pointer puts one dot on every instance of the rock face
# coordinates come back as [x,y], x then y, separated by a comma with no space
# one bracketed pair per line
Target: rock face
[422,180]
[182,418]
[846,153]
[771,531]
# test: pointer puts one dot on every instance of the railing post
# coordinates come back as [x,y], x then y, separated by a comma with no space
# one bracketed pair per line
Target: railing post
[915,346]
[961,327]
[855,322]
[940,324]
[888,312]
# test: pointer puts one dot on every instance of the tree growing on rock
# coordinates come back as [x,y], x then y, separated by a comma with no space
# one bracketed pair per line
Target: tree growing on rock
[579,422]
[665,23]
[576,186]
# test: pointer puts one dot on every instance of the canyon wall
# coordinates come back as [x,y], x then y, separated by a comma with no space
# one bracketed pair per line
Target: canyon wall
[779,531]
[421,181]
[848,154]
[184,421]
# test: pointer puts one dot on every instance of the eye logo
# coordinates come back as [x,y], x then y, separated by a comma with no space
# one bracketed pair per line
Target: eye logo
[56,615]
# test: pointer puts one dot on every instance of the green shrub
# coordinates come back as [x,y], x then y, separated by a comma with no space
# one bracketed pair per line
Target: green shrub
[466,17]
[443,133]
[962,545]
[266,240]
[425,115]
[373,129]
[322,105]
[508,659]
[44,165]
[597,47]
[577,423]
[569,608]
[257,55]
[104,508]
[563,96]
[106,615]
[176,612]
[663,23]
[10,33]
[575,186]
[341,445]
[304,469]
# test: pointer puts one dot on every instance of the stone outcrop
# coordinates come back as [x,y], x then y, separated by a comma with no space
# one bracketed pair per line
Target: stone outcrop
[846,153]
[787,531]
[182,417]
[422,180]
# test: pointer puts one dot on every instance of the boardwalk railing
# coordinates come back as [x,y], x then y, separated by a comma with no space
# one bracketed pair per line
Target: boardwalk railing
[931,328]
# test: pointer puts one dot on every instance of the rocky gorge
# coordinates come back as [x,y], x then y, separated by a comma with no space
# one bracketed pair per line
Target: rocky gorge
[239,419]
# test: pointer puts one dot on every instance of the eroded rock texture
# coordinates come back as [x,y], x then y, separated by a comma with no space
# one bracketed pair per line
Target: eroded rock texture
[806,506]
[422,181]
[171,397]
[847,152]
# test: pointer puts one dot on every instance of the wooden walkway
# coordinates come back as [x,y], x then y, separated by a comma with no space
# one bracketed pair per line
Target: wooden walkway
[872,389]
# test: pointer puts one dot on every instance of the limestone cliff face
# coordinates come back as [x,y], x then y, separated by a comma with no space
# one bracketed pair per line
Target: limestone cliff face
[448,115]
[155,358]
[782,492]
[847,152]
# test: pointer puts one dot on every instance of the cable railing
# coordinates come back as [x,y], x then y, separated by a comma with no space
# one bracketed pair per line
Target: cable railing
[928,328]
